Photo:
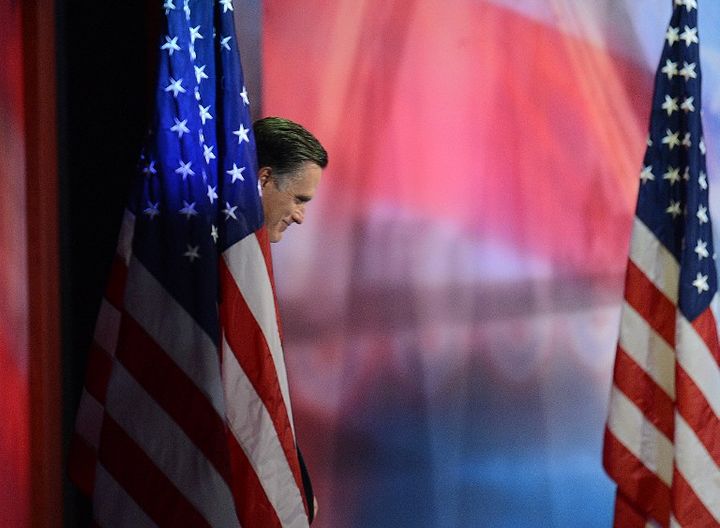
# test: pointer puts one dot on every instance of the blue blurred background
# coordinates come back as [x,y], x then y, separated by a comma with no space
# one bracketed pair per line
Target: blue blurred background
[451,305]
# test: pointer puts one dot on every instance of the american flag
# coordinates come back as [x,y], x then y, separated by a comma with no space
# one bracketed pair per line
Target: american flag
[662,440]
[185,419]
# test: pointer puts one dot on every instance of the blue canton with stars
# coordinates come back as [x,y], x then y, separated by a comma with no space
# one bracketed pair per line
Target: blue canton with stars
[197,193]
[673,199]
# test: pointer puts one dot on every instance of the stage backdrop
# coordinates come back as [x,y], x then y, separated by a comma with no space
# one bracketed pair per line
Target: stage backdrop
[451,303]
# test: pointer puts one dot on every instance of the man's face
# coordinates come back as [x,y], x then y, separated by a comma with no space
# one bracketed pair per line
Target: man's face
[284,205]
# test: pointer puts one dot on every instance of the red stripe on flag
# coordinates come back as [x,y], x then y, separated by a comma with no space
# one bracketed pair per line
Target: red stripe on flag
[626,515]
[175,392]
[697,413]
[253,506]
[638,484]
[143,481]
[98,372]
[642,390]
[706,327]
[82,461]
[650,303]
[244,334]
[687,508]
[115,291]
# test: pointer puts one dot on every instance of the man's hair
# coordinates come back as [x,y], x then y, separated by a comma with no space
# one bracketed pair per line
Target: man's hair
[284,146]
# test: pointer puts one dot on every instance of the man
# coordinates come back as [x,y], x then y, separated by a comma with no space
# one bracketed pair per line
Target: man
[290,161]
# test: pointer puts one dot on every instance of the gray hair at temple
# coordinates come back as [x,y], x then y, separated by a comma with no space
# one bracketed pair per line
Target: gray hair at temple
[285,146]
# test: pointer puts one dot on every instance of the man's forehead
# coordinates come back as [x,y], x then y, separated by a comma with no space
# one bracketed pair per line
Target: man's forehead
[306,178]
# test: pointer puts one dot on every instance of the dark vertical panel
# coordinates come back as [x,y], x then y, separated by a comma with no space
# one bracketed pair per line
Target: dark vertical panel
[106,69]
[42,231]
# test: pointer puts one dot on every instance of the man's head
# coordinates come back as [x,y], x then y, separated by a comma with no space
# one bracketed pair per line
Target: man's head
[290,161]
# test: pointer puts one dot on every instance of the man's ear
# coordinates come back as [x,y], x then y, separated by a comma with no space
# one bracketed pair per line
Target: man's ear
[264,176]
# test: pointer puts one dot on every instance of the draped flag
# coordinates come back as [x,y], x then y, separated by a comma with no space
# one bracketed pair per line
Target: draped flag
[662,440]
[185,419]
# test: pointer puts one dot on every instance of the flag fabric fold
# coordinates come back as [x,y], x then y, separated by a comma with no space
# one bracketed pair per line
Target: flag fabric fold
[661,438]
[185,418]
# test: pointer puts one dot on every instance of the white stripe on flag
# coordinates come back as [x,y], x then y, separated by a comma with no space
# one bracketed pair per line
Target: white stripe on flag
[697,466]
[628,424]
[127,230]
[89,419]
[247,266]
[107,327]
[655,261]
[252,426]
[648,349]
[673,523]
[122,511]
[698,362]
[184,341]
[169,448]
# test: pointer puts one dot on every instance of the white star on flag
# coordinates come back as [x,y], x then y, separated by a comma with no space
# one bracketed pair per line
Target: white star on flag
[195,34]
[672,175]
[674,209]
[208,153]
[227,4]
[224,42]
[242,134]
[185,169]
[152,210]
[150,168]
[236,173]
[702,214]
[687,104]
[229,211]
[671,139]
[205,113]
[671,35]
[170,45]
[670,105]
[646,174]
[686,140]
[700,283]
[702,145]
[188,210]
[702,181]
[690,5]
[200,73]
[168,6]
[192,253]
[214,233]
[212,193]
[244,96]
[180,127]
[701,250]
[670,69]
[175,87]
[688,71]
[689,36]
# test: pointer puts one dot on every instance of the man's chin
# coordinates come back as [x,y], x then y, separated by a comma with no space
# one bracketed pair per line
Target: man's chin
[275,236]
